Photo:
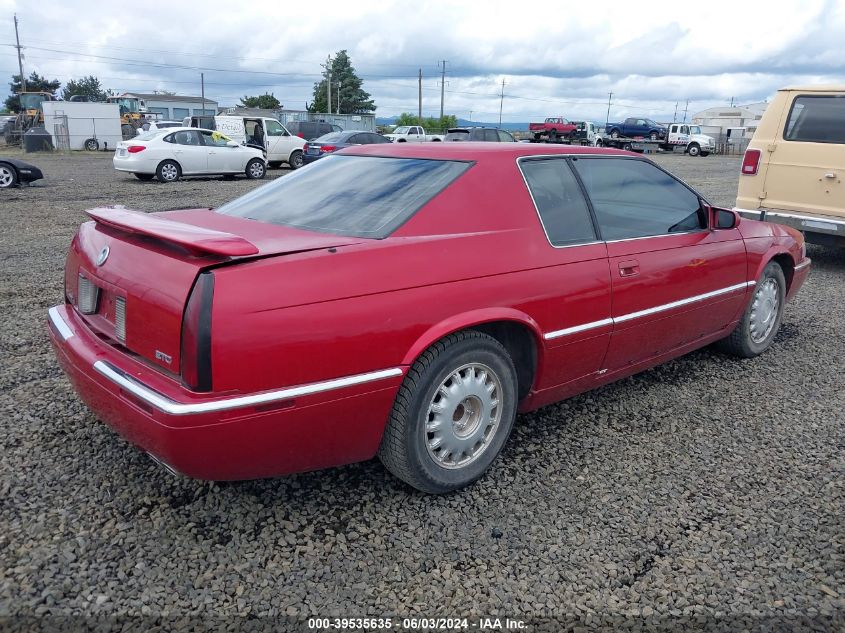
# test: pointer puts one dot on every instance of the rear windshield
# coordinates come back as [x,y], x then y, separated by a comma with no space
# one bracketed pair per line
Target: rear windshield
[359,196]
[461,135]
[331,137]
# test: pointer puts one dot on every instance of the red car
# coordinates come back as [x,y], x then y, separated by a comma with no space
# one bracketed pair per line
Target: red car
[404,301]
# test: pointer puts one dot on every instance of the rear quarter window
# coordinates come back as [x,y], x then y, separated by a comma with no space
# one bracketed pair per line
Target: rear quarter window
[816,119]
[358,196]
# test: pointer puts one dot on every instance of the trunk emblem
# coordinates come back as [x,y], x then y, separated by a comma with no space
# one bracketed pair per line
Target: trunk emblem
[167,358]
[103,256]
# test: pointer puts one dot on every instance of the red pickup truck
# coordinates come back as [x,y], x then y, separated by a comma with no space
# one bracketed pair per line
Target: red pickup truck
[554,127]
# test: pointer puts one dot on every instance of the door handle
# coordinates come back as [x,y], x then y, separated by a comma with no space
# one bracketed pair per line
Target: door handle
[831,174]
[629,268]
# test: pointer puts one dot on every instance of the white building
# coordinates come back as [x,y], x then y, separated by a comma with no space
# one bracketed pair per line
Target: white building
[743,119]
[176,107]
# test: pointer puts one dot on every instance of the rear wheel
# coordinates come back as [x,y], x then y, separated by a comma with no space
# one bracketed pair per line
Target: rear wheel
[8,176]
[453,413]
[552,136]
[295,161]
[653,136]
[614,134]
[168,171]
[599,142]
[759,325]
[256,169]
[144,176]
[628,147]
[693,149]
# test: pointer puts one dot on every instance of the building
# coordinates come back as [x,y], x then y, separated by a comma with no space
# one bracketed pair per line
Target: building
[365,122]
[745,118]
[176,107]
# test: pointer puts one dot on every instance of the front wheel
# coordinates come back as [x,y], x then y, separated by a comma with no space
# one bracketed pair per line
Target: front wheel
[693,149]
[8,176]
[295,161]
[452,415]
[256,169]
[759,325]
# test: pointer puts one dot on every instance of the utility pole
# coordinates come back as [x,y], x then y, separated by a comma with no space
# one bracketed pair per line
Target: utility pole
[338,85]
[685,111]
[732,102]
[607,118]
[675,116]
[419,99]
[20,61]
[328,68]
[442,86]
[501,101]
[470,116]
[202,88]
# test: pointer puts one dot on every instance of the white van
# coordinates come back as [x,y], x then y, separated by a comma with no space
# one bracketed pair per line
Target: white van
[280,145]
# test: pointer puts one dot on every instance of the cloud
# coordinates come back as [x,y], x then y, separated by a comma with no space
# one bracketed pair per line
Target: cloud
[555,58]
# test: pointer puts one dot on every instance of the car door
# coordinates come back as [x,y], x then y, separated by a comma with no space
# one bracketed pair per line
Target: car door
[280,142]
[574,303]
[222,159]
[674,280]
[189,151]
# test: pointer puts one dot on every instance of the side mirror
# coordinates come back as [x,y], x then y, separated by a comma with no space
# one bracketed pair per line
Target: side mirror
[722,219]
[232,144]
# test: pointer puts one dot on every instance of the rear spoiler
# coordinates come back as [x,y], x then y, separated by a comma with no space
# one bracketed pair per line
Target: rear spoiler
[194,238]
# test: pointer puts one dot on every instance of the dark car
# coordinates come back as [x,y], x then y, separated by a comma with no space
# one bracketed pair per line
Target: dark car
[14,171]
[309,130]
[338,140]
[490,134]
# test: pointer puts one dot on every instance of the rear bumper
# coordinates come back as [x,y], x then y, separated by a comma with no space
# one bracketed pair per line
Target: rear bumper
[302,428]
[134,165]
[816,223]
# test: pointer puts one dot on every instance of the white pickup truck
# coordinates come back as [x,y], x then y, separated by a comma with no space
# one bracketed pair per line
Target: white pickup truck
[690,138]
[412,134]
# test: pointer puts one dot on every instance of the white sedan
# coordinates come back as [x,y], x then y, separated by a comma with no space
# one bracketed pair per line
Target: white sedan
[172,153]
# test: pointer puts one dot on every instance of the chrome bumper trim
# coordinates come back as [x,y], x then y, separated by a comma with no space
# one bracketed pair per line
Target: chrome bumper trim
[171,407]
[59,323]
[818,224]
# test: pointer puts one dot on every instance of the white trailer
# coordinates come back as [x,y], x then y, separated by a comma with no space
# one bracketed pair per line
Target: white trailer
[82,125]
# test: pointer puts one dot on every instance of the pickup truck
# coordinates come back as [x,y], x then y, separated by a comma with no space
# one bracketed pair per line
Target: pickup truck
[412,134]
[553,128]
[635,128]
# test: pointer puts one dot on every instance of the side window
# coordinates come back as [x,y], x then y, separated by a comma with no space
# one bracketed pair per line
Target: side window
[817,119]
[214,139]
[491,136]
[633,198]
[356,139]
[185,137]
[559,201]
[504,137]
[274,128]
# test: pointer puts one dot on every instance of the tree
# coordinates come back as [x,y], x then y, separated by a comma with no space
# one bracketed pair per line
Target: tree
[429,123]
[353,98]
[34,83]
[87,86]
[267,100]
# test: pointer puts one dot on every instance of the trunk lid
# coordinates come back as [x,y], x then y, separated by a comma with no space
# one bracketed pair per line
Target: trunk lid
[140,269]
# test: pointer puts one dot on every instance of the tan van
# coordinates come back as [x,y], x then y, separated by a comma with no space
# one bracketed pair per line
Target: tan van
[794,167]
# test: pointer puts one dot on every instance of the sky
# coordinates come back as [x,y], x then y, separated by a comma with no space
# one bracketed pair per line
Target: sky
[555,58]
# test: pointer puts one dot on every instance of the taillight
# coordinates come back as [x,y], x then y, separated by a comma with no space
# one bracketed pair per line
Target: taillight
[751,162]
[196,335]
[305,147]
[134,149]
[328,148]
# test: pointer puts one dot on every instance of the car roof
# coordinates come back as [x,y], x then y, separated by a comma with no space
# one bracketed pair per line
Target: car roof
[478,151]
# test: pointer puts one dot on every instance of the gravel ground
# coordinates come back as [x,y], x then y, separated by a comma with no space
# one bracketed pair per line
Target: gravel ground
[709,487]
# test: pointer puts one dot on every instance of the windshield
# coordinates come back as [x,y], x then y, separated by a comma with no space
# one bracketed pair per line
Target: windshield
[358,196]
[148,136]
[402,130]
[31,102]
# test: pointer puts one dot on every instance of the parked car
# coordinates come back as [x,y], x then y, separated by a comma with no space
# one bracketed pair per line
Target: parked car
[335,141]
[14,171]
[552,129]
[405,302]
[279,145]
[490,134]
[175,152]
[412,134]
[794,167]
[310,130]
[635,128]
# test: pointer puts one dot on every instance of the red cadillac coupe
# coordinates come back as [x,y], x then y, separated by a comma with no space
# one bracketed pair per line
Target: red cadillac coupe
[404,301]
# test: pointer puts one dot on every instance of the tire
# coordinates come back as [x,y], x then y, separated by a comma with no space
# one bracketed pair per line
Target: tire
[628,147]
[168,171]
[8,176]
[703,154]
[552,136]
[255,169]
[144,177]
[571,136]
[92,144]
[754,333]
[410,448]
[614,133]
[599,142]
[693,149]
[402,140]
[653,136]
[275,164]
[538,137]
[295,161]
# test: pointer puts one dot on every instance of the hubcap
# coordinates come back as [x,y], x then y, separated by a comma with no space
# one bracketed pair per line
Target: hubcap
[764,310]
[169,172]
[5,177]
[297,160]
[256,170]
[463,416]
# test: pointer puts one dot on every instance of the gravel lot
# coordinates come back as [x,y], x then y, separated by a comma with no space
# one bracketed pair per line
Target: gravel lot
[709,487]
